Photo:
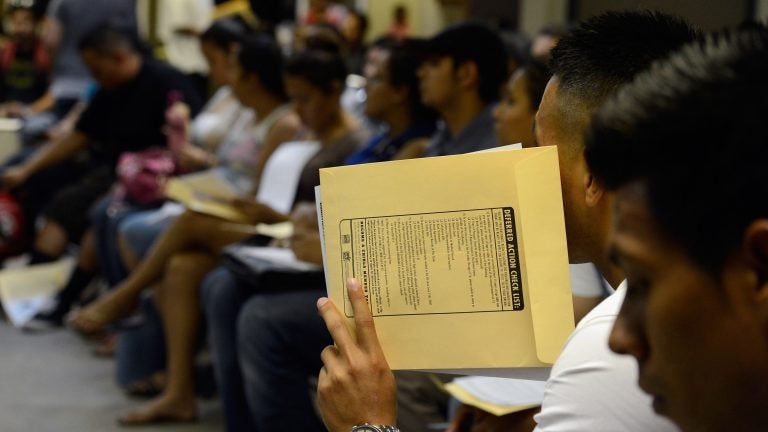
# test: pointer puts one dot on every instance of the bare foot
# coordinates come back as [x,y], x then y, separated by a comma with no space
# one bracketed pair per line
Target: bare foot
[92,319]
[148,387]
[162,410]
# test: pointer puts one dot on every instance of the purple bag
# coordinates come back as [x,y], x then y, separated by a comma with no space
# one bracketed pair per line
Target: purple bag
[142,175]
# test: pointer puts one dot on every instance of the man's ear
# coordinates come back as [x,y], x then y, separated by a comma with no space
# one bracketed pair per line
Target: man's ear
[593,190]
[755,247]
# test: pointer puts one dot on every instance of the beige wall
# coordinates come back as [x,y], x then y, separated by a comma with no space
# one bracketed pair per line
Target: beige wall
[761,10]
[425,16]
[535,14]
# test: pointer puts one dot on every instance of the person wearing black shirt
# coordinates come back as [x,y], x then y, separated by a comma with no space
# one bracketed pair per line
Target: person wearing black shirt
[126,114]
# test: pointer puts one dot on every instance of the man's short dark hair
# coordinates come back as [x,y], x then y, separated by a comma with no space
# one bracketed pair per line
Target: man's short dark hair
[692,131]
[475,42]
[107,38]
[604,52]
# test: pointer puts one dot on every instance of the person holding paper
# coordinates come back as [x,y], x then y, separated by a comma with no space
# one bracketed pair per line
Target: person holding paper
[587,68]
[462,83]
[693,241]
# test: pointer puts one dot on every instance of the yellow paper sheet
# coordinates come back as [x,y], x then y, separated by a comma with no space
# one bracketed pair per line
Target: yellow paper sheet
[498,410]
[205,193]
[463,258]
[279,231]
[497,396]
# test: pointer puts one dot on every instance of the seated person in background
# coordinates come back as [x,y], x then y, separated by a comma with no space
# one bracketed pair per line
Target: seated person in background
[222,113]
[191,245]
[520,100]
[126,114]
[202,137]
[66,23]
[279,336]
[25,65]
[462,83]
[353,29]
[589,388]
[684,147]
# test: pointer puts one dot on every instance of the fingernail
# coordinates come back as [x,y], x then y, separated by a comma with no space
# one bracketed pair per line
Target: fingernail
[352,284]
[321,301]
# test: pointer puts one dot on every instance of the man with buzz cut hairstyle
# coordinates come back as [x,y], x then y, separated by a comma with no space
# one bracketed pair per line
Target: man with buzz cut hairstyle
[684,147]
[590,388]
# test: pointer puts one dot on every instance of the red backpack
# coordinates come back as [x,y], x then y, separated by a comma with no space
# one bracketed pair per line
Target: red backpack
[12,232]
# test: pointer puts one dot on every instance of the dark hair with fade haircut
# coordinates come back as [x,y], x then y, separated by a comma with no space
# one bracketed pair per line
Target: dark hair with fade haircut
[473,41]
[261,56]
[692,131]
[321,68]
[405,57]
[595,58]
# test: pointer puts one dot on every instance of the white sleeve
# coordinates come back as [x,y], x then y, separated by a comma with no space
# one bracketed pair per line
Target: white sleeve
[593,389]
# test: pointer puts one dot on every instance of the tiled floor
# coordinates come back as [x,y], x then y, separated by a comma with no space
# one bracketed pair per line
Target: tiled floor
[51,382]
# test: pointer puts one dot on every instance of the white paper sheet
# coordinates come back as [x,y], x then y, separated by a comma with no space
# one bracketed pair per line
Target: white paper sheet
[25,291]
[281,174]
[503,392]
[282,257]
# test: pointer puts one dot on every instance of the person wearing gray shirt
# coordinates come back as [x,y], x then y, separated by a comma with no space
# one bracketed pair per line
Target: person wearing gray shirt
[462,83]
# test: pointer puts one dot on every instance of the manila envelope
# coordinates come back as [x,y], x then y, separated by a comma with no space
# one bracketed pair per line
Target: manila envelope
[463,258]
[205,192]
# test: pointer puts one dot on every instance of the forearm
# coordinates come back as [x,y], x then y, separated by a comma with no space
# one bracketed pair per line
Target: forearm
[55,152]
[44,103]
[272,216]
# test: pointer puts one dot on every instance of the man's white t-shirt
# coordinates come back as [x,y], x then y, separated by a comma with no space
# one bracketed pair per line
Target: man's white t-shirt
[593,389]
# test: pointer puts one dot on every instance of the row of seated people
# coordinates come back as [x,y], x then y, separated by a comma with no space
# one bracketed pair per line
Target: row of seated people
[175,253]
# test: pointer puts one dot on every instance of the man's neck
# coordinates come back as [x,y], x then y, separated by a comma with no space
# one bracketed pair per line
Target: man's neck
[336,127]
[264,104]
[133,68]
[461,112]
[398,121]
[610,271]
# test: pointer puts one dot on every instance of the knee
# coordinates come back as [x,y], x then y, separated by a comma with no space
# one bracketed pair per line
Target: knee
[256,323]
[221,295]
[181,264]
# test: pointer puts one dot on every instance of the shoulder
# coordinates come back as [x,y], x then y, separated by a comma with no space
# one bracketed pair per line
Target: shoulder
[286,127]
[413,148]
[592,388]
